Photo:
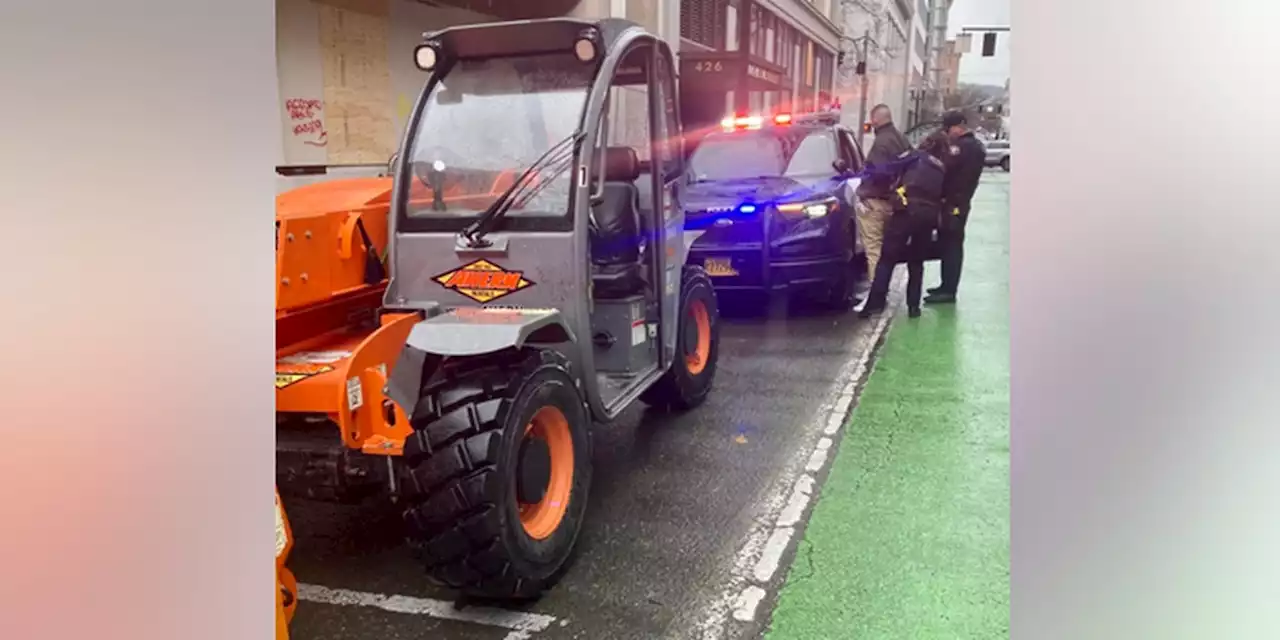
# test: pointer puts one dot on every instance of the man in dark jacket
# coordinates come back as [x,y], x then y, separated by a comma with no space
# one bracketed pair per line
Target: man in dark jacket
[876,192]
[964,161]
[911,227]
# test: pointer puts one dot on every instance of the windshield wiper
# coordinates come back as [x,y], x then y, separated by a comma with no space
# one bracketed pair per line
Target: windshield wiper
[557,157]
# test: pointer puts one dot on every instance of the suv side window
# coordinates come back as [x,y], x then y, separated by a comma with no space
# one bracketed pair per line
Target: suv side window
[849,150]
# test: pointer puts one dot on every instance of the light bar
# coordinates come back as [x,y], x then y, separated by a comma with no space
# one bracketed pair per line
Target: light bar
[782,118]
[742,122]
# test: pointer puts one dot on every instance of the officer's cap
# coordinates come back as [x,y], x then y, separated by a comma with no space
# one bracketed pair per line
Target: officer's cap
[952,119]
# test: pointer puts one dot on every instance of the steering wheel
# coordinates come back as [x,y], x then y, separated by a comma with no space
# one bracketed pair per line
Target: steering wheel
[430,165]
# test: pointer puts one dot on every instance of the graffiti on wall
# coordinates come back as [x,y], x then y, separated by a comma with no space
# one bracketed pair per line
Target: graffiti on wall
[307,117]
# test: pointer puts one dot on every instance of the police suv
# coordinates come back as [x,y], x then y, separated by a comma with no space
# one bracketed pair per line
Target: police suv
[775,197]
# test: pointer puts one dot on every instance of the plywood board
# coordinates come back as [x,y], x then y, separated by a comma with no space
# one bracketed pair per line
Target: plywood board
[357,81]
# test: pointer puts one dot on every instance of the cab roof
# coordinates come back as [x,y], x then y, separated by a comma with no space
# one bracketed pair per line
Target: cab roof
[526,37]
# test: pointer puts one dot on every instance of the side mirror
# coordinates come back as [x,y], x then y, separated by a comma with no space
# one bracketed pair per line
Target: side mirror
[841,166]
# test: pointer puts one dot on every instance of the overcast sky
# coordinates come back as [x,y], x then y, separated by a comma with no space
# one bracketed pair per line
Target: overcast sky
[982,13]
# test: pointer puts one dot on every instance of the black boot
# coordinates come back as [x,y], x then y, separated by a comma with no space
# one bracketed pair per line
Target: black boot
[913,312]
[871,309]
[940,297]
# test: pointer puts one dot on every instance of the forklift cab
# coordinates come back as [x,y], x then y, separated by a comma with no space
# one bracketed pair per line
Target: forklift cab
[569,131]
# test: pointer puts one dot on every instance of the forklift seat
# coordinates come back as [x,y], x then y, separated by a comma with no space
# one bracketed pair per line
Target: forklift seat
[616,239]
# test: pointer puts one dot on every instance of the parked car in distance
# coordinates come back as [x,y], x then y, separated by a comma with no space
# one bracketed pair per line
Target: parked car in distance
[997,153]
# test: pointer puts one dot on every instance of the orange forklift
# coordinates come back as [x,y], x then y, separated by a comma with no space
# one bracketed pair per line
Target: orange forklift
[452,336]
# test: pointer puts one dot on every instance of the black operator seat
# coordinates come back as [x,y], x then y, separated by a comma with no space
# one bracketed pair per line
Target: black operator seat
[616,240]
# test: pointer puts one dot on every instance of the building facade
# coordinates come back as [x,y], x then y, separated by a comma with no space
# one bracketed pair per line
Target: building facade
[881,34]
[754,56]
[345,68]
[347,81]
[949,64]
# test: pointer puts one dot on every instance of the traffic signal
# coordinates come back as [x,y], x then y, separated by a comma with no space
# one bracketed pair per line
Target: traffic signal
[988,44]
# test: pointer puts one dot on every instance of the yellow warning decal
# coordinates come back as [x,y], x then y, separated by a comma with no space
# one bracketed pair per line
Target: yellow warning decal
[286,378]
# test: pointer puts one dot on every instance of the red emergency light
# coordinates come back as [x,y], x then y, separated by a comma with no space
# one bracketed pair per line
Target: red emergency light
[742,122]
[753,122]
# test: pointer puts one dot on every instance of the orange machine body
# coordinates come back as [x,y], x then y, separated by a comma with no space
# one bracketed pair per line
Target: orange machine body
[334,346]
[286,585]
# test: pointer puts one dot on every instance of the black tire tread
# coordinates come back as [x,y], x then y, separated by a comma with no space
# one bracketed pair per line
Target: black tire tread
[669,391]
[451,488]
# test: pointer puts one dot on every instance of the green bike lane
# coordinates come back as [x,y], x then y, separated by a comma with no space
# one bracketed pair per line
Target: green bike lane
[910,536]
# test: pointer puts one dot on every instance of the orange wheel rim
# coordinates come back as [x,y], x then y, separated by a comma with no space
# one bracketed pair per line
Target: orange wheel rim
[541,519]
[697,361]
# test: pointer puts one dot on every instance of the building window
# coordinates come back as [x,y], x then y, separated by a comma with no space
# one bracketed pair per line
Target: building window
[704,21]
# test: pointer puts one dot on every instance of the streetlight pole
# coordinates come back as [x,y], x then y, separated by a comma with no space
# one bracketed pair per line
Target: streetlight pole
[862,47]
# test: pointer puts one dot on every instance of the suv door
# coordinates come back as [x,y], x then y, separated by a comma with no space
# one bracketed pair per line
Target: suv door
[852,155]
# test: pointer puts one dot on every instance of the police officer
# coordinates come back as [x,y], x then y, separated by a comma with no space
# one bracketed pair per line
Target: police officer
[910,229]
[965,159]
[875,192]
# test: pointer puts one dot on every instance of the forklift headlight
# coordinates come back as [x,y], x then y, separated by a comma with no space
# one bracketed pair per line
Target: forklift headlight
[584,48]
[426,57]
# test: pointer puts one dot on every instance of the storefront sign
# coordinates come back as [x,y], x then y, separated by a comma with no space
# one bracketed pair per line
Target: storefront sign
[760,73]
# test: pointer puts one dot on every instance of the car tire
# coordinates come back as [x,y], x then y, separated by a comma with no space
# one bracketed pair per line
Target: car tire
[842,295]
[1004,163]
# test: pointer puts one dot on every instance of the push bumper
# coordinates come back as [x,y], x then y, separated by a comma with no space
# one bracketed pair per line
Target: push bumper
[752,268]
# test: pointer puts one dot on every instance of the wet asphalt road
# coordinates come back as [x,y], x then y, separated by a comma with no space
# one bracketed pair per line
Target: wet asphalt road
[674,500]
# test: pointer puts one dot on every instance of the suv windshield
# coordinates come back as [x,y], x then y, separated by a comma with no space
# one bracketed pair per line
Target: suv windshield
[749,154]
[485,123]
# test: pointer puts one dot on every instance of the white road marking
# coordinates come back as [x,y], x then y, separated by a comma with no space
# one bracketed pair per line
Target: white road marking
[837,419]
[819,457]
[516,621]
[771,557]
[792,513]
[748,601]
[780,510]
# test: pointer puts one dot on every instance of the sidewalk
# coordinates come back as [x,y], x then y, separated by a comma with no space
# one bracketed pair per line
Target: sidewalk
[910,538]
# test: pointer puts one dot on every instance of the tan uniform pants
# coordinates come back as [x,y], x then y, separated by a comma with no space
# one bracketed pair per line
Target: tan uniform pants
[872,216]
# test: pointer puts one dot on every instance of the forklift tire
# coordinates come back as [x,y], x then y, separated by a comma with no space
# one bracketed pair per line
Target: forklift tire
[498,469]
[687,382]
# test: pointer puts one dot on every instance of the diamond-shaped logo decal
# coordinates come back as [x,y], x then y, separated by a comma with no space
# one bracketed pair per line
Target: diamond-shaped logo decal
[483,281]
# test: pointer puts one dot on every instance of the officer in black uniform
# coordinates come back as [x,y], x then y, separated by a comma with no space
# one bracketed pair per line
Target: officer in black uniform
[965,159]
[910,230]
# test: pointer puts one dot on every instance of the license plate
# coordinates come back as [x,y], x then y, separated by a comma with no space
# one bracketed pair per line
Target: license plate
[719,267]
